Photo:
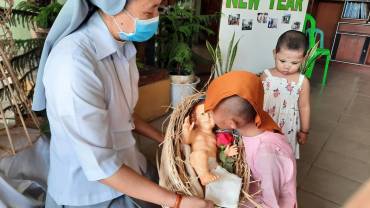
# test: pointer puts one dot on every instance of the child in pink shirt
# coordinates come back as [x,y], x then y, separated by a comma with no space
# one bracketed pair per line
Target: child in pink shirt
[272,163]
[236,102]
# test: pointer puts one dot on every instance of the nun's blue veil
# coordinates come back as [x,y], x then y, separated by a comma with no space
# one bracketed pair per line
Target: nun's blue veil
[70,18]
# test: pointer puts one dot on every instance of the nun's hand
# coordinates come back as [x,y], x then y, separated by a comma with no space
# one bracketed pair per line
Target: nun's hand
[195,202]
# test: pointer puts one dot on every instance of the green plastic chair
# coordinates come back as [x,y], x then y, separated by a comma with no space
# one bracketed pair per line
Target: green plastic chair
[313,32]
[316,33]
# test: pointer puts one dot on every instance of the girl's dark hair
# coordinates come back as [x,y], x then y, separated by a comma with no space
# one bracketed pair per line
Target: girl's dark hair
[292,40]
[239,107]
[246,111]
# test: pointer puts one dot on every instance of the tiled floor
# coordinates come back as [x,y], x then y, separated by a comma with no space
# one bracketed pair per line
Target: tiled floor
[336,160]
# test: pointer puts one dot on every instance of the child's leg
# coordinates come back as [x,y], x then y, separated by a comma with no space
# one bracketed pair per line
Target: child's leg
[199,161]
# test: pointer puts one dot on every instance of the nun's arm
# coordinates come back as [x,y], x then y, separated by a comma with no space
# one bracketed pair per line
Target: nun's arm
[127,181]
[144,128]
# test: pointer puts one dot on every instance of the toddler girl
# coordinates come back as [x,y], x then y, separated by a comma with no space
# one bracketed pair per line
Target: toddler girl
[287,91]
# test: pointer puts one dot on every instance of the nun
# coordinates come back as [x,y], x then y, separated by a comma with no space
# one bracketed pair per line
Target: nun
[88,83]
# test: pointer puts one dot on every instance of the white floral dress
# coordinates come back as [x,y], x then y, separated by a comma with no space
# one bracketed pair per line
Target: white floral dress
[281,102]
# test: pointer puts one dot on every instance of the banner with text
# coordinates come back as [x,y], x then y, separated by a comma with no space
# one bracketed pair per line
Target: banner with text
[258,24]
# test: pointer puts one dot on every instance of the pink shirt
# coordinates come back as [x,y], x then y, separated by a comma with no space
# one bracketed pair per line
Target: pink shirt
[273,164]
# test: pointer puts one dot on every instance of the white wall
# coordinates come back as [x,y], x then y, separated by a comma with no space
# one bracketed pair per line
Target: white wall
[256,45]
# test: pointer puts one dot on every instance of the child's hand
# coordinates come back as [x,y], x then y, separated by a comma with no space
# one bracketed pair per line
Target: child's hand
[187,127]
[231,150]
[302,137]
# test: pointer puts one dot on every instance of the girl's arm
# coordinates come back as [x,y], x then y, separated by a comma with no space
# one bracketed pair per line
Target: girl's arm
[304,111]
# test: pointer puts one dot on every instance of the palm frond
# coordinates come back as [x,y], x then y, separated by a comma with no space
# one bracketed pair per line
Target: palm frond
[310,58]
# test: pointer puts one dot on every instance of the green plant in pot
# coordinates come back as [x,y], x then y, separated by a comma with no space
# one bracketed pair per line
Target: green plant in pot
[181,63]
[45,15]
[178,27]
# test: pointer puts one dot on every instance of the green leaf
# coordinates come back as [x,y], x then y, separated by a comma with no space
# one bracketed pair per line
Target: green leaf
[222,156]
[28,6]
[219,58]
[211,51]
[310,58]
[233,55]
[229,52]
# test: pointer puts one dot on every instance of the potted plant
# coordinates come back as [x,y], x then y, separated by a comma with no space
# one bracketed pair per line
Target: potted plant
[45,15]
[223,65]
[178,26]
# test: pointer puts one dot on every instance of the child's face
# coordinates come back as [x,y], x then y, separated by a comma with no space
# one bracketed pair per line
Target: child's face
[288,61]
[219,119]
[224,120]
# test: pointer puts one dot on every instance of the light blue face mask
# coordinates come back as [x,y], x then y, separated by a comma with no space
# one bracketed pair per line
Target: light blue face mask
[144,29]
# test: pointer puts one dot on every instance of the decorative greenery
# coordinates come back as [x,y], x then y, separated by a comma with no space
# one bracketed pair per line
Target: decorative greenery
[310,58]
[220,67]
[19,17]
[178,24]
[15,85]
[28,6]
[25,62]
[45,15]
[229,162]
[181,57]
[24,45]
[226,162]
